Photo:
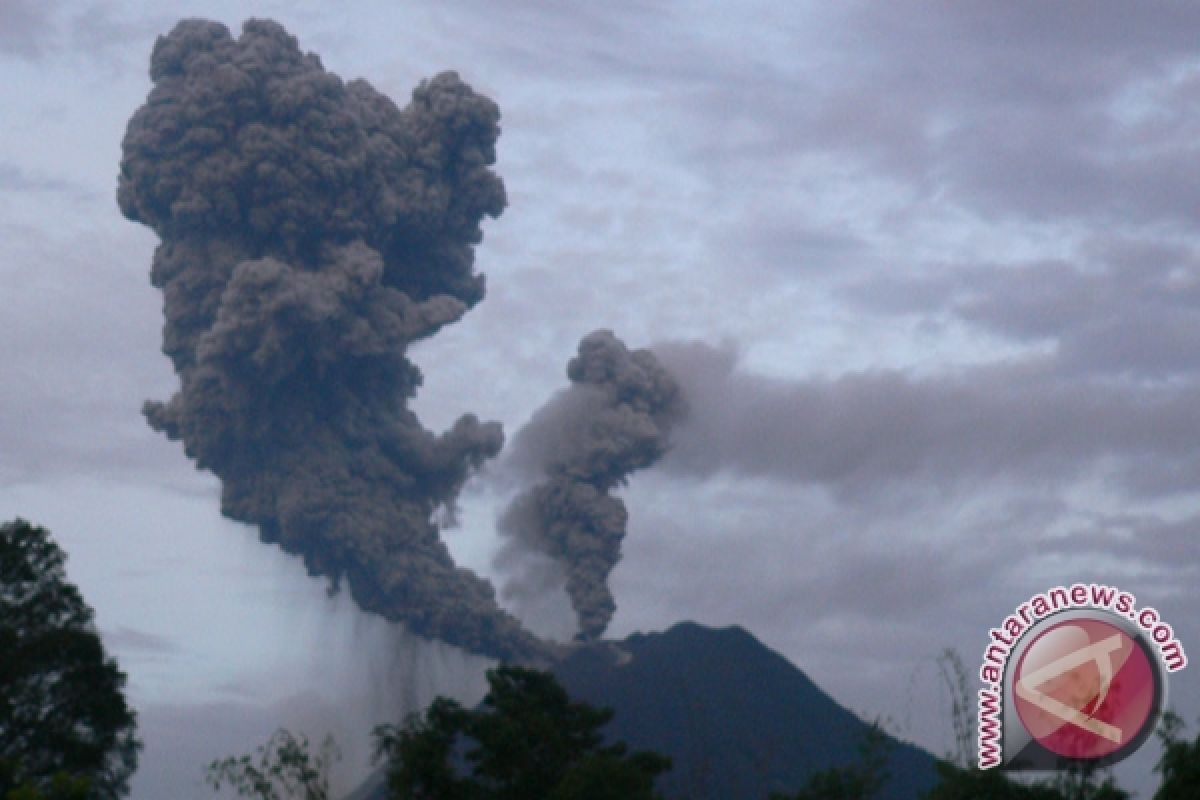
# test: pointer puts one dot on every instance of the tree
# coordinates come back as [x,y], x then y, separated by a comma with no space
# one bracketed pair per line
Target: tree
[972,783]
[1084,781]
[284,768]
[65,728]
[1179,765]
[861,780]
[528,740]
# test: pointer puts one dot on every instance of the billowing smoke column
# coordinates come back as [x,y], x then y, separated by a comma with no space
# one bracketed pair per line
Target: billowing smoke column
[310,231]
[615,418]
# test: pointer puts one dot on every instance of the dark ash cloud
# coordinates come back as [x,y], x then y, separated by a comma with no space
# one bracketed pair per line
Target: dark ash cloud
[311,232]
[613,420]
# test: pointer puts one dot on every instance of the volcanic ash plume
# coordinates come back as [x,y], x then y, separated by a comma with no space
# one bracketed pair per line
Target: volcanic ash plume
[310,232]
[615,418]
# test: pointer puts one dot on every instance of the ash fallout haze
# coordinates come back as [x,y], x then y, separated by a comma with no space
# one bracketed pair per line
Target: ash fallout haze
[853,324]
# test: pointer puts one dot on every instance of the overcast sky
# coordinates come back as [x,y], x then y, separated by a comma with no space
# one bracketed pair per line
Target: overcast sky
[929,271]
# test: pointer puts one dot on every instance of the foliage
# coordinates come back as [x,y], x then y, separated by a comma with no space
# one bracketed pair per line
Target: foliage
[282,768]
[1179,765]
[65,728]
[861,780]
[992,784]
[1086,782]
[529,740]
[972,783]
[60,786]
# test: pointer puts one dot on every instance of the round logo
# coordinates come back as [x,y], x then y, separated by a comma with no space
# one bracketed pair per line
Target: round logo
[1085,689]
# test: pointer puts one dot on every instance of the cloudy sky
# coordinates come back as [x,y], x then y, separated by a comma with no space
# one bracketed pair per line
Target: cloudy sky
[930,273]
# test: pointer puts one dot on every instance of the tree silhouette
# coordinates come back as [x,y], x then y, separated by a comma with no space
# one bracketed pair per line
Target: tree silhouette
[861,780]
[1179,765]
[283,768]
[528,740]
[958,783]
[65,728]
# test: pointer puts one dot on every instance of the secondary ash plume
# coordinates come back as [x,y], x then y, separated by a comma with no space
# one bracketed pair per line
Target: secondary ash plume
[614,418]
[310,231]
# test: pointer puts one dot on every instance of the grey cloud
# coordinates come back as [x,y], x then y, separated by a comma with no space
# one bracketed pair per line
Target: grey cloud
[123,639]
[1123,308]
[1146,539]
[1095,45]
[1029,120]
[1013,422]
[1090,167]
[581,41]
[797,247]
[15,178]
[103,35]
[26,27]
[1129,308]
[92,34]
[76,358]
[1023,111]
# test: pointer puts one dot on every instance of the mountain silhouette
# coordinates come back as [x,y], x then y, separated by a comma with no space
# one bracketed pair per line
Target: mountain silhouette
[739,720]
